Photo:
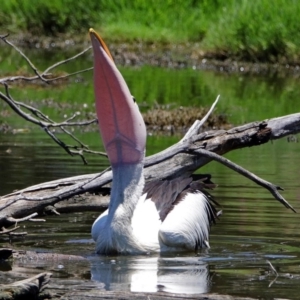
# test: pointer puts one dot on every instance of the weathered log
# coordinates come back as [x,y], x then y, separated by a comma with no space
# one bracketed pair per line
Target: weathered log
[185,157]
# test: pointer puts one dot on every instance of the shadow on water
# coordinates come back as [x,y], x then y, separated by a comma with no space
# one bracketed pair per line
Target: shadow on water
[253,228]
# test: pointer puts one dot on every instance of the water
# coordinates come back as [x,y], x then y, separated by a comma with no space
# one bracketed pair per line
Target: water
[254,227]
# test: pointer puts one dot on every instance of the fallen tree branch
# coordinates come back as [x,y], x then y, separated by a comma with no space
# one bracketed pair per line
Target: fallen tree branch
[14,221]
[184,157]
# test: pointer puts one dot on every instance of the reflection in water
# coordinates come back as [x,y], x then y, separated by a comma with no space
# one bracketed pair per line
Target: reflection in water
[187,275]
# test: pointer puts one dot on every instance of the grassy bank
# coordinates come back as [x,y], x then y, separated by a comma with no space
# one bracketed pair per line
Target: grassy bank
[254,30]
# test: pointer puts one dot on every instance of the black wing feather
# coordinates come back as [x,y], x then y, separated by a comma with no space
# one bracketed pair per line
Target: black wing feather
[167,193]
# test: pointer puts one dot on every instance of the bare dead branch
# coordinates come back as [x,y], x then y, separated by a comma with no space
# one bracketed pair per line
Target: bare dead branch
[7,231]
[41,75]
[68,75]
[37,117]
[46,123]
[66,61]
[51,209]
[198,123]
[27,218]
[11,232]
[273,270]
[32,66]
[14,221]
[273,189]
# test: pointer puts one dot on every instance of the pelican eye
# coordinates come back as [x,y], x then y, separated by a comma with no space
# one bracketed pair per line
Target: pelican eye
[133,99]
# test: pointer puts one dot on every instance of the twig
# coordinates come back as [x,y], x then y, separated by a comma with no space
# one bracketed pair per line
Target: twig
[274,280]
[11,232]
[272,268]
[69,75]
[15,221]
[41,75]
[25,57]
[48,80]
[66,60]
[46,123]
[6,231]
[37,117]
[198,123]
[51,209]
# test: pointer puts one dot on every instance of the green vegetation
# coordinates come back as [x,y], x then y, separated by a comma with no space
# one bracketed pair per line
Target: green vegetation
[255,30]
[243,98]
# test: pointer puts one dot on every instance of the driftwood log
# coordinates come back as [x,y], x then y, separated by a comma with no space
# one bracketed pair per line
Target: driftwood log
[189,154]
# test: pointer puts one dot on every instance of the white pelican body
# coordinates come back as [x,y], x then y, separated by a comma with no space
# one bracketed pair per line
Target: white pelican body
[157,217]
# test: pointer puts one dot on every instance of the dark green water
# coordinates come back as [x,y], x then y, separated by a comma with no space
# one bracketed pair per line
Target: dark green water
[253,228]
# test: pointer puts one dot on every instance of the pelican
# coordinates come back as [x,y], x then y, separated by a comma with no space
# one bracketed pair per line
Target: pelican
[162,216]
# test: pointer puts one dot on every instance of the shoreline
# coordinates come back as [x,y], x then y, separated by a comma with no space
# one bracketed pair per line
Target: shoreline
[177,56]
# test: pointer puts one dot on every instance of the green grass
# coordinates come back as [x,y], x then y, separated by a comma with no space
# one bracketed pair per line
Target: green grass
[258,30]
[254,30]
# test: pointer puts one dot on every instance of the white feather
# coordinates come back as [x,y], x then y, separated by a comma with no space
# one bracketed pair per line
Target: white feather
[99,225]
[146,223]
[187,224]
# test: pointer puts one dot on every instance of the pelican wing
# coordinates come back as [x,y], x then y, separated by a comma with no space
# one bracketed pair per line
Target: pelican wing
[185,209]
